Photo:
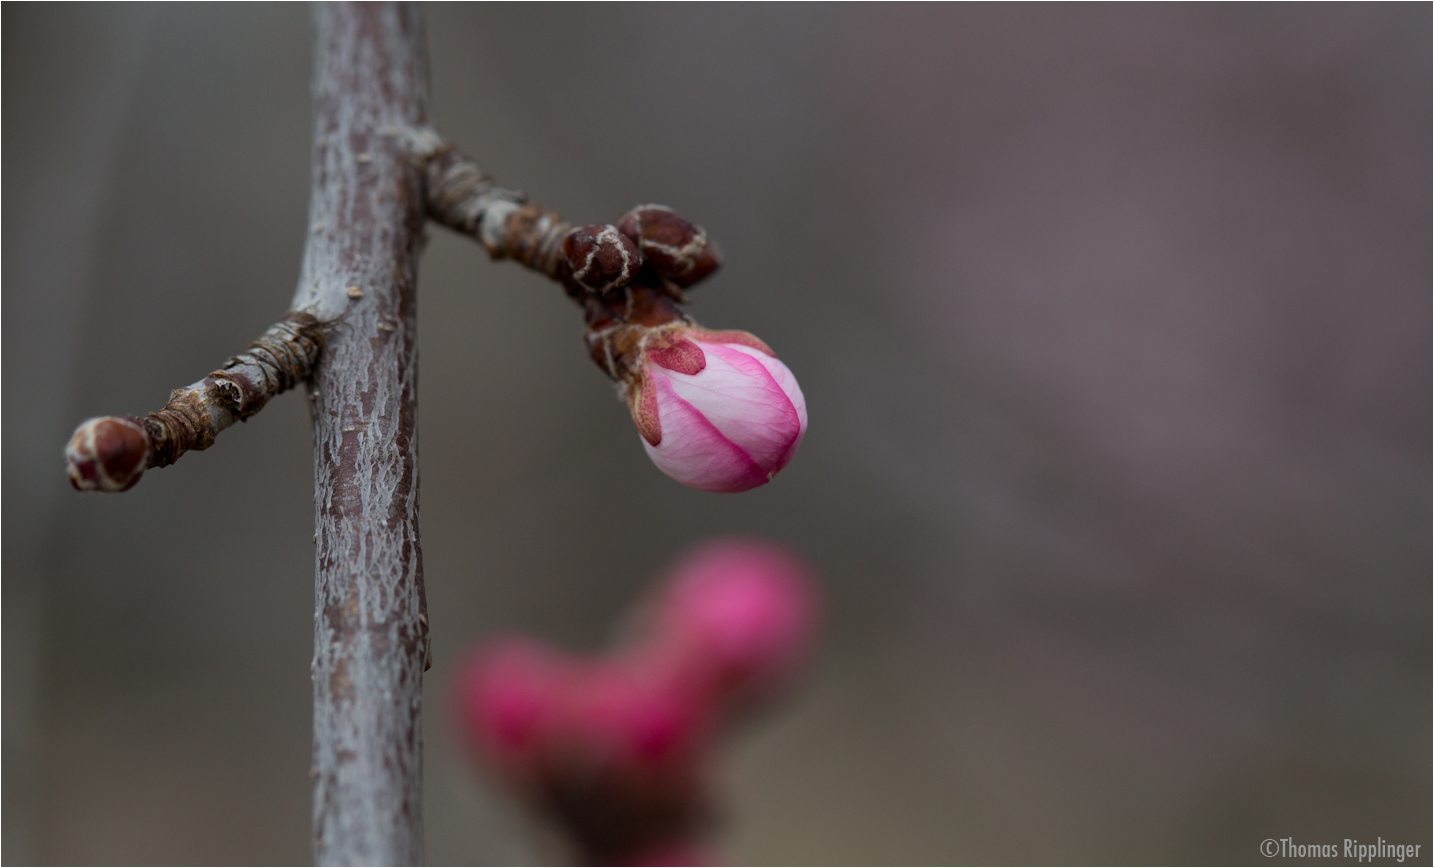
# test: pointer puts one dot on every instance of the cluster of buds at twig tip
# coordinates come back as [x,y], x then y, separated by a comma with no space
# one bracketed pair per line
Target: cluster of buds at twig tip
[615,747]
[716,410]
[650,245]
[678,250]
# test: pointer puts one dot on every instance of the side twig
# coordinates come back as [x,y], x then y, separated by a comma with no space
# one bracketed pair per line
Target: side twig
[110,453]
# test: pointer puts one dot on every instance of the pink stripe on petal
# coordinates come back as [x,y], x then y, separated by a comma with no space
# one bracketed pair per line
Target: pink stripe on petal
[784,378]
[741,397]
[788,383]
[694,452]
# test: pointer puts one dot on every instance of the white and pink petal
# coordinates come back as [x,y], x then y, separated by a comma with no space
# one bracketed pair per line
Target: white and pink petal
[693,451]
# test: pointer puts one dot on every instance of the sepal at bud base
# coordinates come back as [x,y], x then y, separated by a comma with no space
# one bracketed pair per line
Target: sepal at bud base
[678,354]
[642,403]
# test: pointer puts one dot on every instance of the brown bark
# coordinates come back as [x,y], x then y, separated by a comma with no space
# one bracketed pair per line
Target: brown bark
[359,275]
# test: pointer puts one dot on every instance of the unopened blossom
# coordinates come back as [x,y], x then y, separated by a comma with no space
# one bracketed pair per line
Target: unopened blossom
[717,410]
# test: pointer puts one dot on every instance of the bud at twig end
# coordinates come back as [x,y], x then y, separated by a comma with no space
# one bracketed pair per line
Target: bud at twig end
[107,454]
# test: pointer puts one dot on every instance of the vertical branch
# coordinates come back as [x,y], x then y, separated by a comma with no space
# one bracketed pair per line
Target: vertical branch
[377,171]
[359,272]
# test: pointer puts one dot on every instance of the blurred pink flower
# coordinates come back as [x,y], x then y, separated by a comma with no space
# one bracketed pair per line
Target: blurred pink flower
[614,746]
[509,698]
[717,410]
[738,616]
[523,705]
[619,714]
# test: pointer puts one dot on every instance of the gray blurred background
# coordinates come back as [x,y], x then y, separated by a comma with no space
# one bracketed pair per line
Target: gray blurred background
[1114,325]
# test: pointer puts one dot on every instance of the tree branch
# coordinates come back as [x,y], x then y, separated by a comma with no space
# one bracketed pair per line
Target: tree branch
[378,171]
[359,275]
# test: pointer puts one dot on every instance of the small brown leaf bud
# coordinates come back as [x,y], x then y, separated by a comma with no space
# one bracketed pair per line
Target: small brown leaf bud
[601,258]
[677,249]
[107,454]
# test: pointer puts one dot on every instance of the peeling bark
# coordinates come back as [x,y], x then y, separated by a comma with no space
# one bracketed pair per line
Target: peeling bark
[359,275]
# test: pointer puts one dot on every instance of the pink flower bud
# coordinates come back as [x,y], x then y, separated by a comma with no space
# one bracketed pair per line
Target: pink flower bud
[614,747]
[739,615]
[716,409]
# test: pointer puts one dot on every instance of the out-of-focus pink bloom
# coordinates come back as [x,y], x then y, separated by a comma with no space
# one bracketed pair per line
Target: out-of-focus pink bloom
[614,746]
[510,697]
[717,410]
[738,615]
[619,715]
[523,705]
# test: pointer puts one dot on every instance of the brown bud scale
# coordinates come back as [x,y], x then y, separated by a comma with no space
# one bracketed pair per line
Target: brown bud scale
[107,454]
[677,249]
[601,258]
